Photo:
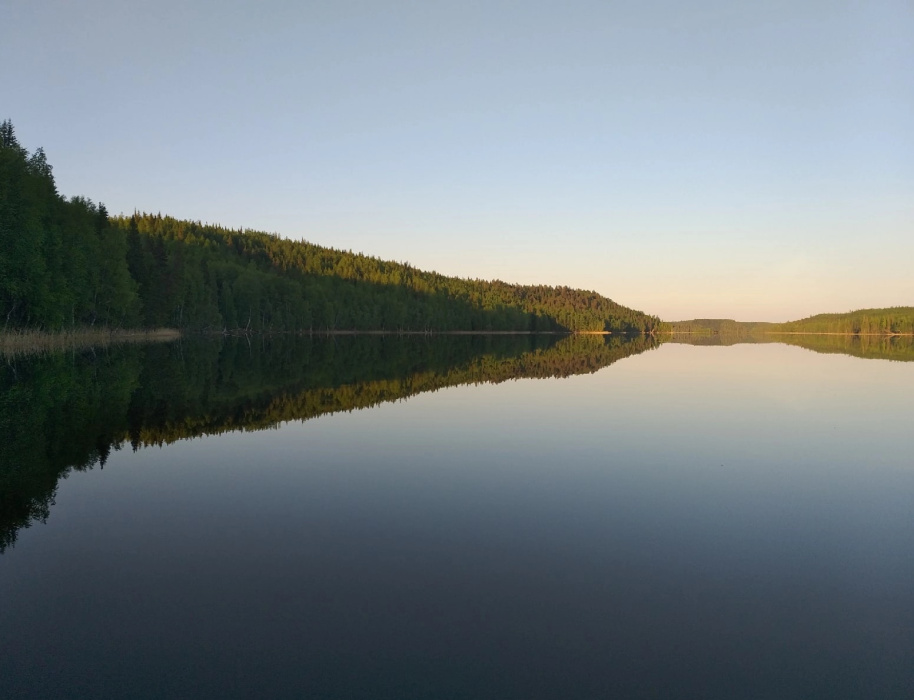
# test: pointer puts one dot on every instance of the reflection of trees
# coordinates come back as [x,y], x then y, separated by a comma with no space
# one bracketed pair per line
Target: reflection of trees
[876,347]
[68,411]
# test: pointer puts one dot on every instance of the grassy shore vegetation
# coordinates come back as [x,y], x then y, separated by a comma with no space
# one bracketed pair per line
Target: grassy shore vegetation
[68,411]
[27,341]
[66,263]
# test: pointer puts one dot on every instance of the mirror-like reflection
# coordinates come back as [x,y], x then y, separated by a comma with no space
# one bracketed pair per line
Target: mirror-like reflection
[710,522]
[65,411]
[874,347]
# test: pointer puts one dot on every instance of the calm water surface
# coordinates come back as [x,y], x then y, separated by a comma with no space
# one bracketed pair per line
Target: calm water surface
[706,522]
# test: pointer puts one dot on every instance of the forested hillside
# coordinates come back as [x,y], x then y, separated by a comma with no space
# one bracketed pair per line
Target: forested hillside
[61,261]
[65,263]
[716,326]
[892,321]
[897,319]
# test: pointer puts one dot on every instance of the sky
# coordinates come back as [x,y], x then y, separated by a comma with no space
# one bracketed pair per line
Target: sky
[707,159]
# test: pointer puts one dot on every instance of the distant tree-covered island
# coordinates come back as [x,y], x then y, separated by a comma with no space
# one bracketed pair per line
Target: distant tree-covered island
[896,320]
[66,263]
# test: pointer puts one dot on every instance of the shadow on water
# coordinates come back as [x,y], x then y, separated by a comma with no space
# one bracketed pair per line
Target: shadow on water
[65,411]
[872,347]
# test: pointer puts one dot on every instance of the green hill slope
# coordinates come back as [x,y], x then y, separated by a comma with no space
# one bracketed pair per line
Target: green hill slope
[65,263]
[893,320]
[896,320]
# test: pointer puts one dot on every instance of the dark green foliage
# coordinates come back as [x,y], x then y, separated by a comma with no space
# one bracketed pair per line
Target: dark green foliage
[894,320]
[61,262]
[70,410]
[897,320]
[201,276]
[64,263]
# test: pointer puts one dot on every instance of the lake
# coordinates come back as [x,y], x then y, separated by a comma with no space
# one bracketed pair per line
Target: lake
[458,517]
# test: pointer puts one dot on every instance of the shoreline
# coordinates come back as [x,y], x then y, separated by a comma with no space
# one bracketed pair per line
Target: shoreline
[238,333]
[19,343]
[847,335]
[31,342]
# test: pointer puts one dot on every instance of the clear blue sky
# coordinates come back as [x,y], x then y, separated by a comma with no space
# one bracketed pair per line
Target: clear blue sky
[747,160]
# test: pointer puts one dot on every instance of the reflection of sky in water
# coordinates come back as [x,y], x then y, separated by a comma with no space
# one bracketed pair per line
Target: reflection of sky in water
[703,520]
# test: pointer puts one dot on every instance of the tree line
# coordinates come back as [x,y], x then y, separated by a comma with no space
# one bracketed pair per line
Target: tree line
[716,327]
[896,320]
[66,262]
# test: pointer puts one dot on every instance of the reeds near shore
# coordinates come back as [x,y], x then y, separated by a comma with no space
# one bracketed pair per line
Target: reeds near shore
[21,343]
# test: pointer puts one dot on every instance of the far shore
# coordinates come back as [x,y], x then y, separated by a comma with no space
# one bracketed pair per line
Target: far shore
[242,332]
[868,335]
[28,342]
[849,335]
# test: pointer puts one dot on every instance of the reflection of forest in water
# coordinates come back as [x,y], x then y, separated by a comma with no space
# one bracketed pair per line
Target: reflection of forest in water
[873,347]
[68,411]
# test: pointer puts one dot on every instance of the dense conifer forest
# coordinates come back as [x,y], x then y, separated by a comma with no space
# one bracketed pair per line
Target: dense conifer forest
[67,263]
[715,326]
[894,320]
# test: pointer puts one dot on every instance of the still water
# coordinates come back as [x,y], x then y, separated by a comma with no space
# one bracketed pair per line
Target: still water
[457,518]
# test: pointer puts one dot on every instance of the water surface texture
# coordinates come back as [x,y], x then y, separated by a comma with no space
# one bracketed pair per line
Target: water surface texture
[457,518]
